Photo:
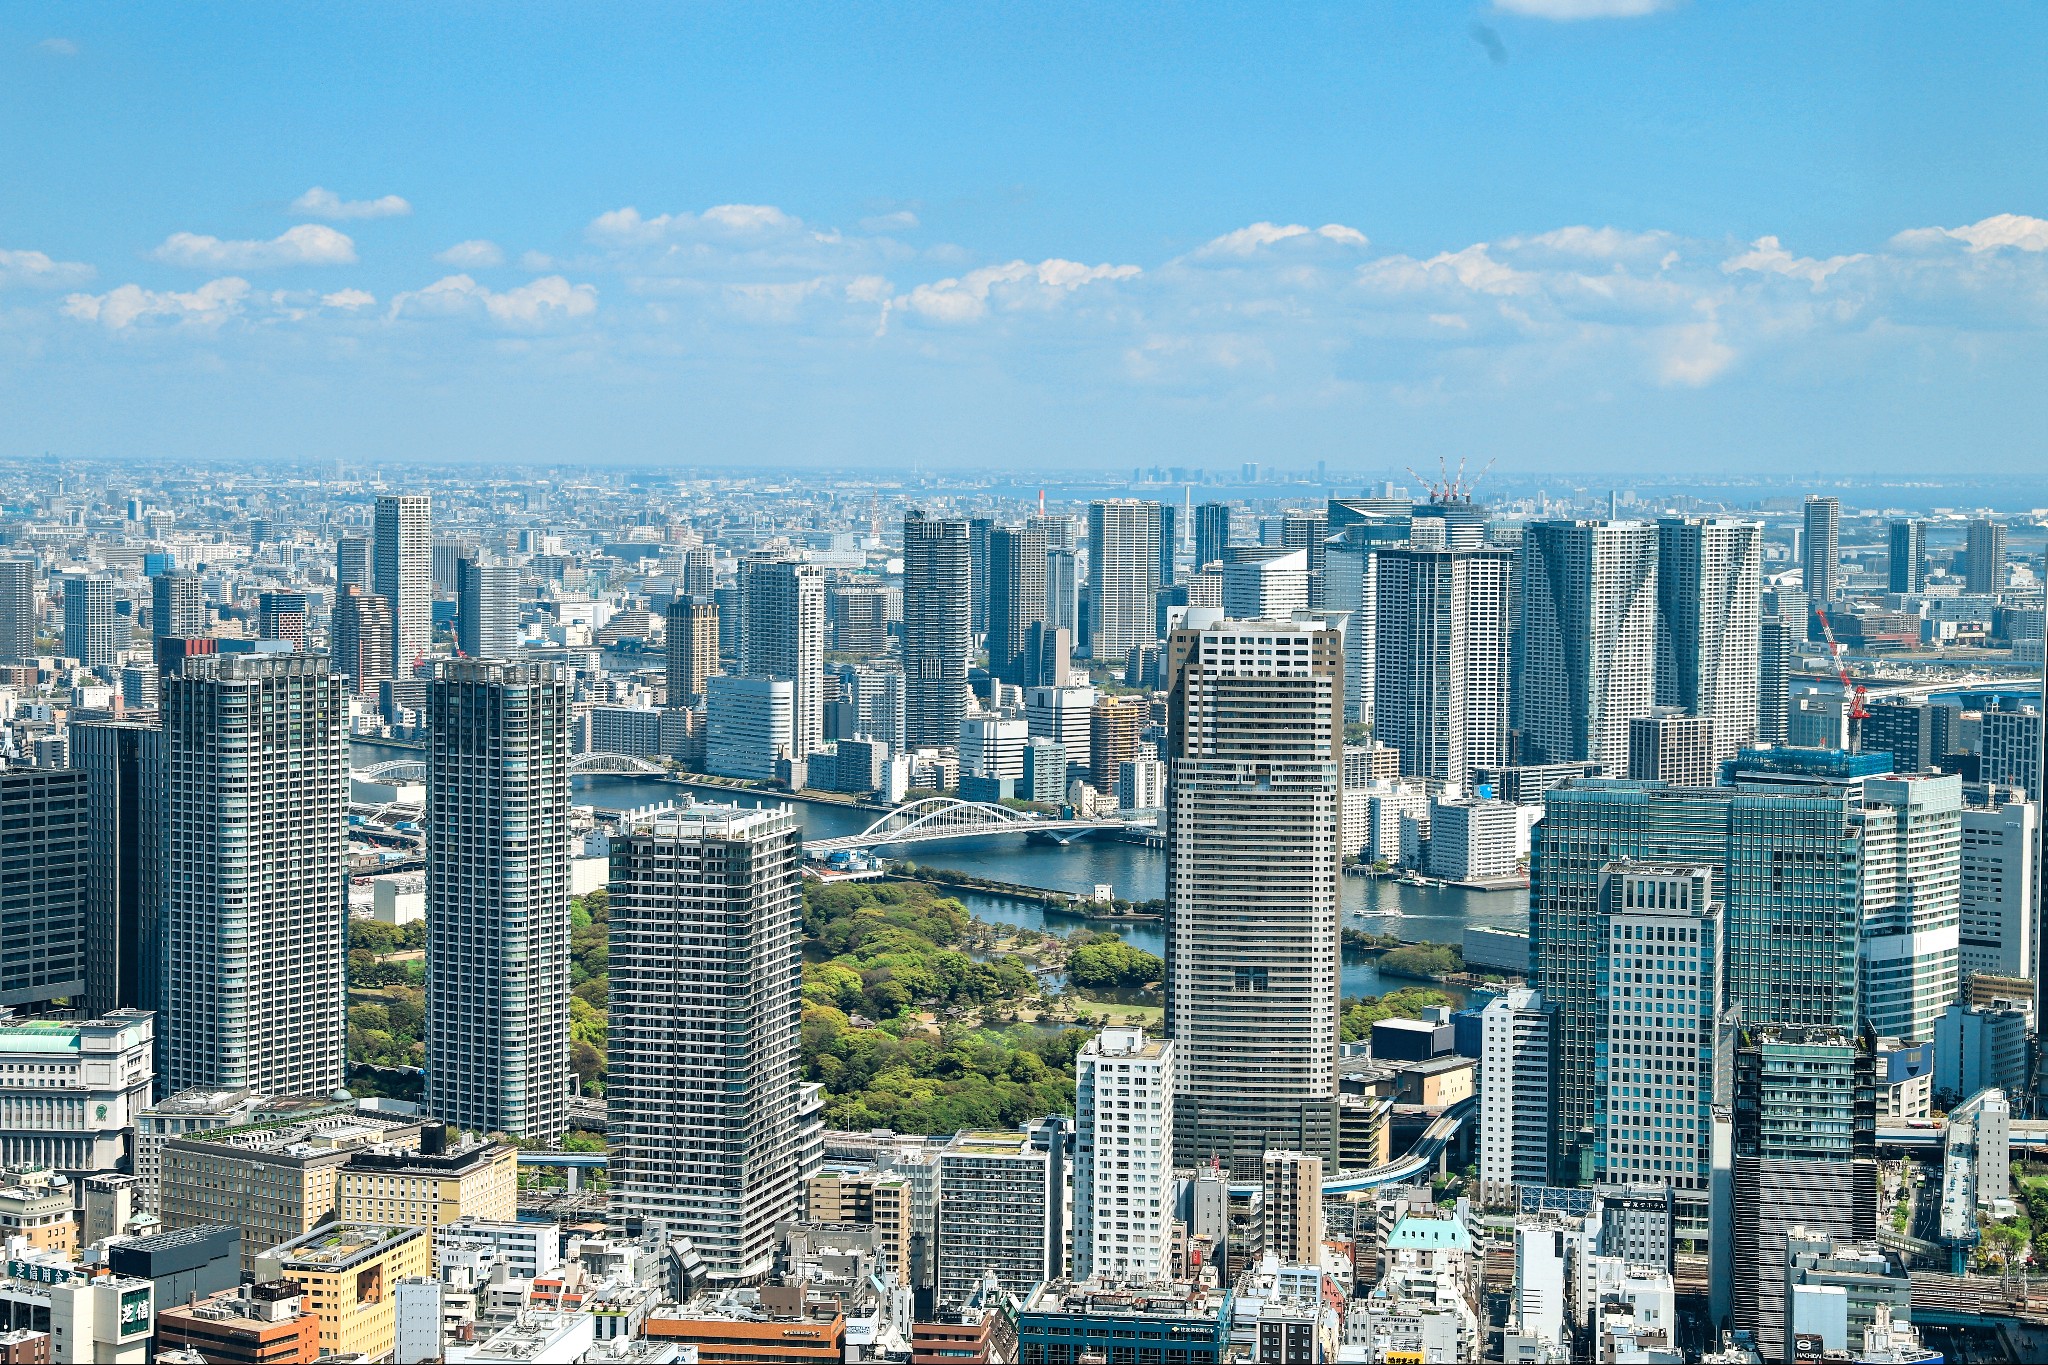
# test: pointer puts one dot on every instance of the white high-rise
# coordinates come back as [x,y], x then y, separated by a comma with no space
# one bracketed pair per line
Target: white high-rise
[1441,658]
[1999,843]
[497,1005]
[1709,603]
[1911,902]
[402,573]
[1123,1158]
[1062,715]
[1517,1073]
[782,635]
[1589,639]
[704,1103]
[255,809]
[1253,819]
[1123,575]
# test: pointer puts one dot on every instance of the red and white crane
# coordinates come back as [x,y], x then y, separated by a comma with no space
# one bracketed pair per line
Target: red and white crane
[1854,691]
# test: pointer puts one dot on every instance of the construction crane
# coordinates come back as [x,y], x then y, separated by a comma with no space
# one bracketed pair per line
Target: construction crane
[1449,487]
[1853,690]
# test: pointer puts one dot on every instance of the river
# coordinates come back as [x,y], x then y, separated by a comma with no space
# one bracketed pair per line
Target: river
[1137,873]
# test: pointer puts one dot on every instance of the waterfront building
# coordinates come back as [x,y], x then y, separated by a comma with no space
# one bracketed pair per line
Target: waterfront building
[938,628]
[782,637]
[1589,639]
[1709,595]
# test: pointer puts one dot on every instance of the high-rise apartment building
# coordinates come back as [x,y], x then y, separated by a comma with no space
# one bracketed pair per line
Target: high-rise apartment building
[177,606]
[93,634]
[1821,551]
[120,763]
[1917,733]
[1124,553]
[998,1214]
[978,529]
[1910,881]
[1662,1035]
[1114,724]
[486,609]
[497,1006]
[1984,557]
[254,835]
[692,640]
[2009,749]
[1440,658]
[17,610]
[1065,716]
[1212,533]
[1517,1089]
[1123,1158]
[1709,608]
[858,614]
[1805,1149]
[352,562]
[1776,639]
[1254,806]
[938,628]
[360,631]
[1291,1206]
[1063,591]
[1016,601]
[782,635]
[1908,563]
[703,1096]
[401,572]
[1589,639]
[1785,862]
[43,889]
[282,616]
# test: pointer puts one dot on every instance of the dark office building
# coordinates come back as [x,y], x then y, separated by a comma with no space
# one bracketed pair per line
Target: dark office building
[42,885]
[118,760]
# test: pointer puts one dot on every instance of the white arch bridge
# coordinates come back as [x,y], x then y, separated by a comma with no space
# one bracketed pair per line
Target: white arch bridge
[415,769]
[936,818]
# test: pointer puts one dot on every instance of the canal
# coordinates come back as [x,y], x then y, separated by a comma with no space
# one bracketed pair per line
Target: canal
[1134,872]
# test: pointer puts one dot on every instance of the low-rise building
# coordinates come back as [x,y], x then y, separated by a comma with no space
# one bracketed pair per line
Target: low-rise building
[1145,1324]
[746,1326]
[427,1188]
[36,1206]
[253,1324]
[70,1089]
[349,1274]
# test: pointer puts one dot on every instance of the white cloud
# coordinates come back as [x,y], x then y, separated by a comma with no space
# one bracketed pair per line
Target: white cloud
[349,300]
[306,244]
[472,255]
[1471,269]
[626,226]
[1766,256]
[118,309]
[35,268]
[59,47]
[1591,243]
[967,297]
[1693,355]
[1565,11]
[322,203]
[536,261]
[1246,241]
[903,220]
[1988,234]
[535,304]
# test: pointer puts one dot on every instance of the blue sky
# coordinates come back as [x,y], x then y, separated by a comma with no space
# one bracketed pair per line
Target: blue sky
[1582,235]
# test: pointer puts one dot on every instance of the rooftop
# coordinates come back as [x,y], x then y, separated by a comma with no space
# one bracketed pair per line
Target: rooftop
[336,1247]
[1429,1234]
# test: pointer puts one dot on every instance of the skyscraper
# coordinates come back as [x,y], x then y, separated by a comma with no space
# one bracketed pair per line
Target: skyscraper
[1784,859]
[692,649]
[282,616]
[1016,601]
[17,611]
[1255,783]
[1776,638]
[1822,558]
[1589,639]
[1212,533]
[1123,575]
[1908,556]
[782,635]
[703,1096]
[92,633]
[352,562]
[938,628]
[1670,746]
[1063,591]
[177,606]
[120,762]
[1984,557]
[1709,594]
[978,529]
[361,632]
[1440,658]
[252,916]
[43,894]
[1805,1140]
[1661,1045]
[497,1008]
[401,572]
[486,609]
[1114,724]
[1911,890]
[1517,1089]
[1123,1158]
